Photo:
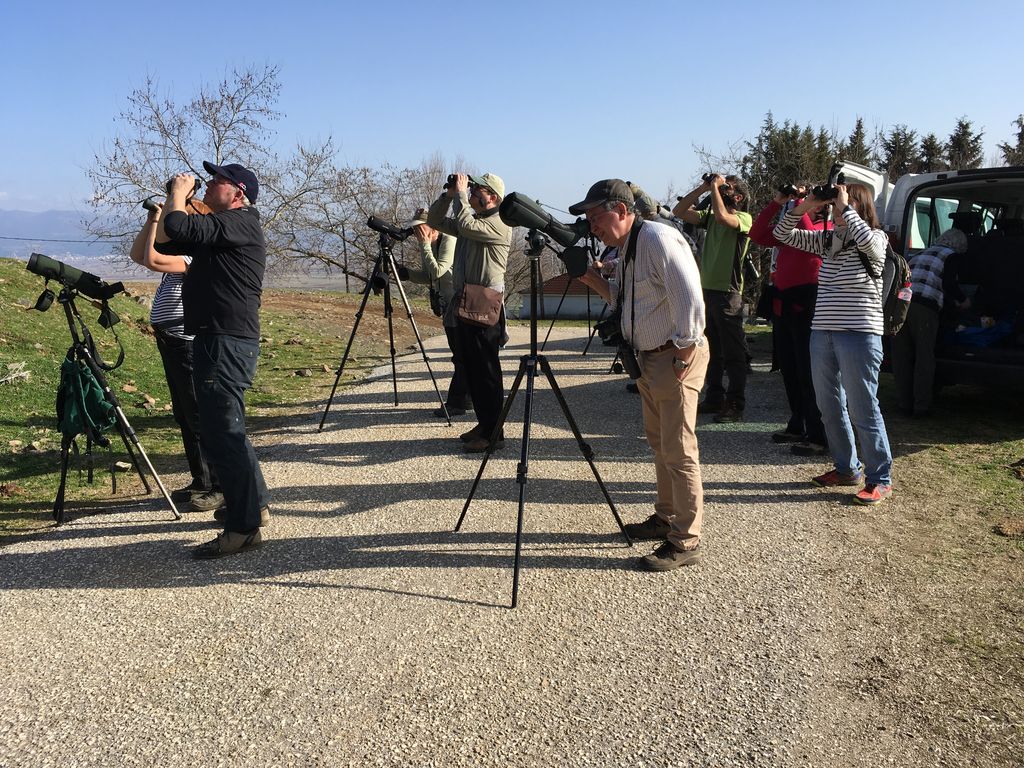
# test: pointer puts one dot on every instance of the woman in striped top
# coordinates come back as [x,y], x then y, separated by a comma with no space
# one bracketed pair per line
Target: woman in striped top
[846,337]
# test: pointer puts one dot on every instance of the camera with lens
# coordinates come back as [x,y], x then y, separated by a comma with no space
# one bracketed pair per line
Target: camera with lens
[789,189]
[707,178]
[610,330]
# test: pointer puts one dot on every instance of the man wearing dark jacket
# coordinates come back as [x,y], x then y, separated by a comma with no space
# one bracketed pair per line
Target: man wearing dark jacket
[221,298]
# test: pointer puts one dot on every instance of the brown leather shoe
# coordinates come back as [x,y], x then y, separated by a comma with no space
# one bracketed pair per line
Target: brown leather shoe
[474,434]
[668,557]
[651,529]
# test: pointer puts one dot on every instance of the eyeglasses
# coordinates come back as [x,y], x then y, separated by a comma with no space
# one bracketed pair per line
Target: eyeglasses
[220,180]
[597,216]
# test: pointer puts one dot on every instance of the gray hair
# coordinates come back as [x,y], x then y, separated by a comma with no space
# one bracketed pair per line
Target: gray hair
[953,239]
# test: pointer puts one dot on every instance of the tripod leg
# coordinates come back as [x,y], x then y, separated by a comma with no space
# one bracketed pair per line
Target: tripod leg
[348,346]
[523,365]
[419,339]
[58,503]
[388,313]
[558,311]
[133,458]
[521,474]
[126,429]
[585,449]
[593,329]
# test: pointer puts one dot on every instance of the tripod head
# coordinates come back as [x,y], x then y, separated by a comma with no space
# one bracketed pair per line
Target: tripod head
[536,242]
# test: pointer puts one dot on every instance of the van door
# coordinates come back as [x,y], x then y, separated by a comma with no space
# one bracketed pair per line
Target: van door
[877,180]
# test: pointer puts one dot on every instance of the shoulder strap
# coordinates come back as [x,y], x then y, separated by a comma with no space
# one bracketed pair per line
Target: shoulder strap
[627,258]
[867,264]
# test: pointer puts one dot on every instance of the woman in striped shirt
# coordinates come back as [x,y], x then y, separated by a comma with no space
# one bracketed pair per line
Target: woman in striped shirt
[846,337]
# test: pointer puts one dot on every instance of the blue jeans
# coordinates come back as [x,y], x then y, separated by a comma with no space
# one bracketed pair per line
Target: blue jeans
[844,365]
[222,369]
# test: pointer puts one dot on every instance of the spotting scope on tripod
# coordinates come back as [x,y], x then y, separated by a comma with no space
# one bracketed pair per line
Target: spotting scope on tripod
[517,210]
[83,367]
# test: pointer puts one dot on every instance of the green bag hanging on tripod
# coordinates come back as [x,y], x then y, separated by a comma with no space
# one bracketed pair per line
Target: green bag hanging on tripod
[81,407]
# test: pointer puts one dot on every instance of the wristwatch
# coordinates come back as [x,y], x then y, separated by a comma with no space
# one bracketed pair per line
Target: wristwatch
[679,365]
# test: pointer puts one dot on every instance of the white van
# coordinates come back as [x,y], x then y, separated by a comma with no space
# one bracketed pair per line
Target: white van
[987,204]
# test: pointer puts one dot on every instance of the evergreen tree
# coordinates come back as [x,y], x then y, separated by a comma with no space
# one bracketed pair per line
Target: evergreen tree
[964,149]
[856,148]
[933,155]
[900,151]
[1014,155]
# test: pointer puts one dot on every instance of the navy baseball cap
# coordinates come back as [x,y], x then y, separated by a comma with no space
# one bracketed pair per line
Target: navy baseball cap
[238,175]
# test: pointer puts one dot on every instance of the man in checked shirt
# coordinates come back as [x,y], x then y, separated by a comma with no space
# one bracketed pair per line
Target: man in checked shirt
[657,285]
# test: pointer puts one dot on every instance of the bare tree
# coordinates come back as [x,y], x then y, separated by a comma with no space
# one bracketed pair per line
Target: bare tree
[227,122]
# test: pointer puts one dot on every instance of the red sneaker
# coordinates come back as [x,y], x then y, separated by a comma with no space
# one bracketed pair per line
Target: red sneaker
[835,477]
[873,494]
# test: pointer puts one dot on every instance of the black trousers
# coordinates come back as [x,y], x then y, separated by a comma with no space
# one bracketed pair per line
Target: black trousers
[176,354]
[727,343]
[223,371]
[792,328]
[458,390]
[478,350]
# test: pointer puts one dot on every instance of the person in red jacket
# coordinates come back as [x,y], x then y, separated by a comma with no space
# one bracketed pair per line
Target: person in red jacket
[795,277]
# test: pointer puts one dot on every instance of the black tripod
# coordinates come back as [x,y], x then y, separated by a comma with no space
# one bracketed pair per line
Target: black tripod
[82,350]
[384,269]
[528,367]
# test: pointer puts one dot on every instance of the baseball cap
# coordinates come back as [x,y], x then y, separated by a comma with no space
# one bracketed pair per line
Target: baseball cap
[490,181]
[420,217]
[238,175]
[602,192]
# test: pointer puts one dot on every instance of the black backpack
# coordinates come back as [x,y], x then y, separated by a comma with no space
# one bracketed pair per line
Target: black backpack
[896,289]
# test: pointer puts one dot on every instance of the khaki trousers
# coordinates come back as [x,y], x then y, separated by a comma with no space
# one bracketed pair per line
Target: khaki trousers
[670,420]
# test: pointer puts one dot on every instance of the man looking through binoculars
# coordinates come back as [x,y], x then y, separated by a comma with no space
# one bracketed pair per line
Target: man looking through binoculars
[656,287]
[721,273]
[477,309]
[221,297]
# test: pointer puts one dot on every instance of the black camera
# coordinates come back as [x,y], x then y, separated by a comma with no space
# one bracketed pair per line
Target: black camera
[379,225]
[789,189]
[610,330]
[75,279]
[707,178]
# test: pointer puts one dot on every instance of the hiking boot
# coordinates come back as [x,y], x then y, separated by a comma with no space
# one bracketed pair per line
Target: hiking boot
[785,436]
[208,501]
[668,557]
[221,514]
[452,411]
[189,493]
[873,493]
[835,477]
[807,448]
[480,444]
[729,415]
[709,407]
[651,529]
[228,543]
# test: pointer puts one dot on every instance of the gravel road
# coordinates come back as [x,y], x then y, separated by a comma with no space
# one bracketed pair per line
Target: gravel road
[368,633]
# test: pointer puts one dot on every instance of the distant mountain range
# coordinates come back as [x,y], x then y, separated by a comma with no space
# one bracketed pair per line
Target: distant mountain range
[47,229]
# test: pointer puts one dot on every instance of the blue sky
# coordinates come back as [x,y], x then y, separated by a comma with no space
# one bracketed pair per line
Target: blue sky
[551,96]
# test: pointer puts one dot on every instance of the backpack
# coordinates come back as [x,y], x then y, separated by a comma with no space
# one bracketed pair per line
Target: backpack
[896,289]
[82,408]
